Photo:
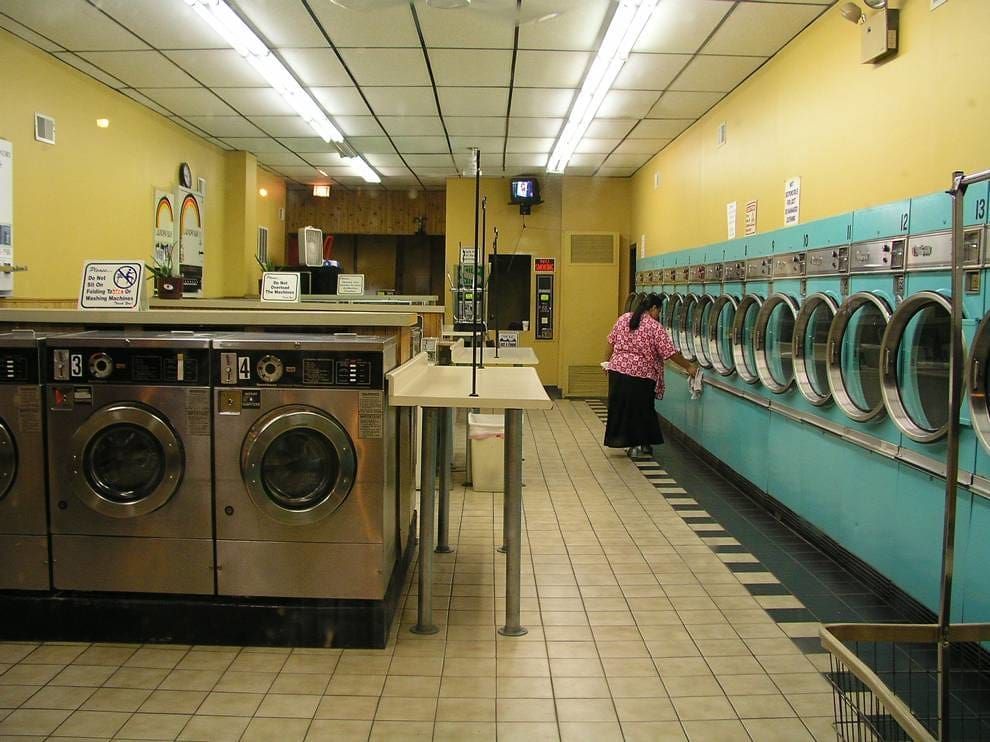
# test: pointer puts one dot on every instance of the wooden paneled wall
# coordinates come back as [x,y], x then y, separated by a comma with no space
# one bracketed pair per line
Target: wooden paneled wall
[366,212]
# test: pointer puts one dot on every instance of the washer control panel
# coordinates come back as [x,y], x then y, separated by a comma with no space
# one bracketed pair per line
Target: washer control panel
[148,366]
[292,368]
[18,366]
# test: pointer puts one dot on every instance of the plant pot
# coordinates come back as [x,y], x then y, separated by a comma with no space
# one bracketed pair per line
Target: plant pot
[168,287]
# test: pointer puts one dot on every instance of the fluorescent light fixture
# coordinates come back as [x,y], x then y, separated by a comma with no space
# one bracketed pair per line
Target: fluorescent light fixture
[321,191]
[228,25]
[363,169]
[628,22]
[322,172]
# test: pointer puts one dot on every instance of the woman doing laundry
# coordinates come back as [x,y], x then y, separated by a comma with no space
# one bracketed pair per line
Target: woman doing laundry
[640,345]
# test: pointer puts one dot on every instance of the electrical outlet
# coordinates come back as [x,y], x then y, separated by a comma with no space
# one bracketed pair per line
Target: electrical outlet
[721,134]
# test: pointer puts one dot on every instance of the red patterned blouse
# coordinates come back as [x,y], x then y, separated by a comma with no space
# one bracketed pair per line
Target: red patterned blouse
[640,352]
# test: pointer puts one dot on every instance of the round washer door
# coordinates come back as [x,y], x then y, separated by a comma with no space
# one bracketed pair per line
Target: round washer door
[127,461]
[298,464]
[743,331]
[979,398]
[773,342]
[915,366]
[703,318]
[8,460]
[810,347]
[685,328]
[675,307]
[720,334]
[854,342]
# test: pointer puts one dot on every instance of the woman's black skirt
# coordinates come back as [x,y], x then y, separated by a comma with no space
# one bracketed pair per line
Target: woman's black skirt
[632,419]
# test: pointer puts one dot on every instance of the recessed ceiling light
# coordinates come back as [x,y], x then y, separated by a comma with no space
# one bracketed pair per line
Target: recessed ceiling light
[103,123]
[263,192]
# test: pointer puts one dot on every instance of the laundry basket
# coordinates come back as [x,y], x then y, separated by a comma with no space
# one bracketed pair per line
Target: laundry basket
[487,436]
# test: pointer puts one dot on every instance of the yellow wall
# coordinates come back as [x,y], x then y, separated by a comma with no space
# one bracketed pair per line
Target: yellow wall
[91,194]
[267,211]
[857,134]
[570,204]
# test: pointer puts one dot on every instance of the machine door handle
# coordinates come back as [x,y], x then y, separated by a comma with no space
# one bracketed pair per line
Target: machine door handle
[758,339]
[977,382]
[886,361]
[832,358]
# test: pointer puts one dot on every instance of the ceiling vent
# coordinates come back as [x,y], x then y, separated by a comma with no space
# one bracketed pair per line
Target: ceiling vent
[44,128]
[263,244]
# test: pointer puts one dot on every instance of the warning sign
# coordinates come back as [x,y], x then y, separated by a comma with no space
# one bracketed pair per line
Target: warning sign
[282,288]
[111,285]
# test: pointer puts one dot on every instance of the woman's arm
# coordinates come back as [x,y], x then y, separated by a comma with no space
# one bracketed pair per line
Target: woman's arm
[689,366]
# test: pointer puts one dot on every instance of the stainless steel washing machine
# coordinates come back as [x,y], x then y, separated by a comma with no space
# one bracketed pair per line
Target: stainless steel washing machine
[306,466]
[129,462]
[23,516]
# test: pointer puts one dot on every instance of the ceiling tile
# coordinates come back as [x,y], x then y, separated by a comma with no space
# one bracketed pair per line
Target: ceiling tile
[184,29]
[141,69]
[358,126]
[341,101]
[328,160]
[541,102]
[474,30]
[760,29]
[577,27]
[256,101]
[282,126]
[421,144]
[95,72]
[596,146]
[383,26]
[528,145]
[627,103]
[679,104]
[489,161]
[145,101]
[627,160]
[392,160]
[473,101]
[25,33]
[280,159]
[610,128]
[615,172]
[463,145]
[585,170]
[534,160]
[395,172]
[585,160]
[387,67]
[716,74]
[650,71]
[301,171]
[257,145]
[225,126]
[434,173]
[218,68]
[642,146]
[219,143]
[659,128]
[283,24]
[412,125]
[475,126]
[372,145]
[189,101]
[305,144]
[471,67]
[75,25]
[402,101]
[534,127]
[681,26]
[316,67]
[429,161]
[550,69]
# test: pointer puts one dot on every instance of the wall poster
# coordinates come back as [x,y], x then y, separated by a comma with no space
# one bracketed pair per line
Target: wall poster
[750,218]
[192,240]
[164,235]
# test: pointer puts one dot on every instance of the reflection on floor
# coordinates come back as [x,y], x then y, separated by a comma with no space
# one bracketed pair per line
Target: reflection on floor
[643,621]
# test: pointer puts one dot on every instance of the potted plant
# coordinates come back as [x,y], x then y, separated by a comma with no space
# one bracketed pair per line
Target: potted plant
[267,266]
[167,284]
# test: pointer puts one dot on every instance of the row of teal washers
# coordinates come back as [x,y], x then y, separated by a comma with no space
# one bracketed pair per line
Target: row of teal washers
[791,324]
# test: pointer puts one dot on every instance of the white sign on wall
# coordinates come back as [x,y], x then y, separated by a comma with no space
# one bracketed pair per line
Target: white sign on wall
[508,339]
[164,223]
[6,215]
[792,201]
[115,285]
[192,240]
[280,288]
[730,215]
[350,283]
[750,228]
[467,255]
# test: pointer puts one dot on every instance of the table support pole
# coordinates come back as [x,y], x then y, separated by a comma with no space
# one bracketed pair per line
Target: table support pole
[513,522]
[427,484]
[446,418]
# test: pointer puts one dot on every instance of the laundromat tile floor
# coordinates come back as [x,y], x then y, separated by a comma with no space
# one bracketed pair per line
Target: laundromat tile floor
[643,625]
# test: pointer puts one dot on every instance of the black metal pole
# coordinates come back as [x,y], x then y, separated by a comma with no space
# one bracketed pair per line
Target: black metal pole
[494,296]
[474,329]
[483,328]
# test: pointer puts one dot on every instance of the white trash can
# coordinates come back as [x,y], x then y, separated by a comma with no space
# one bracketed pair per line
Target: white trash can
[487,437]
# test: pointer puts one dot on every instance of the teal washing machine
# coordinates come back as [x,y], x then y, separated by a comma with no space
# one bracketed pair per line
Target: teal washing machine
[718,338]
[773,335]
[868,481]
[692,303]
[669,286]
[672,407]
[759,262]
[705,313]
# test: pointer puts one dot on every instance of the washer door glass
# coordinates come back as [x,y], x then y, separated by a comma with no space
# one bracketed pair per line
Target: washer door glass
[720,335]
[775,342]
[124,463]
[855,343]
[702,329]
[686,327]
[676,306]
[8,460]
[298,464]
[811,346]
[743,331]
[916,389]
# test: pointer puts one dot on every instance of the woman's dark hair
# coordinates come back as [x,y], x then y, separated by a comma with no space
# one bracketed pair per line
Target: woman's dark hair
[652,300]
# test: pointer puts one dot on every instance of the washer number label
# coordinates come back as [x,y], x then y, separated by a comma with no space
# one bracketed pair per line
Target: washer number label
[76,365]
[243,368]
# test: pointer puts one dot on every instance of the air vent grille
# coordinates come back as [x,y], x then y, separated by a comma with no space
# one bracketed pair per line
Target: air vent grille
[44,128]
[263,244]
[592,248]
[586,381]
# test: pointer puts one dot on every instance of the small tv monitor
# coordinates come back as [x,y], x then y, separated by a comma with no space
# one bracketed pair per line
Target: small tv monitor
[524,191]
